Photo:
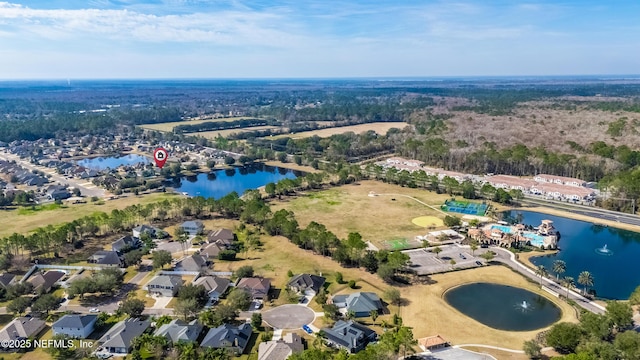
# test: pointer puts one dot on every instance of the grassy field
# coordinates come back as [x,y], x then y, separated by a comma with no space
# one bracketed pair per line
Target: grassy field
[429,314]
[379,127]
[168,127]
[378,219]
[224,133]
[23,220]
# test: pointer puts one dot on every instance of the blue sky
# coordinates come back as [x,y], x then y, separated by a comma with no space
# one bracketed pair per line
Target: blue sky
[316,38]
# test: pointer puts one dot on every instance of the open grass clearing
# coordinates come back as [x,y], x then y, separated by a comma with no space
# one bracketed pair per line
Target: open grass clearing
[168,126]
[378,219]
[13,221]
[378,127]
[224,133]
[429,314]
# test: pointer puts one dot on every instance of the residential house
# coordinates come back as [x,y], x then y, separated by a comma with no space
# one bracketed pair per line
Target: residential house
[361,303]
[43,282]
[118,339]
[223,237]
[7,279]
[215,286]
[211,251]
[125,243]
[193,262]
[107,258]
[227,336]
[280,349]
[144,229]
[178,330]
[165,285]
[258,287]
[20,328]
[306,284]
[560,180]
[57,192]
[431,343]
[349,335]
[75,326]
[193,227]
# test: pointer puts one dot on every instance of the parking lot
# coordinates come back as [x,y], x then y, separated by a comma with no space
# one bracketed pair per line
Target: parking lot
[424,262]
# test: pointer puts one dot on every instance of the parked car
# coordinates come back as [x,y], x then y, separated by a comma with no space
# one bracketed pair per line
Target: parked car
[94,310]
[478,263]
[307,329]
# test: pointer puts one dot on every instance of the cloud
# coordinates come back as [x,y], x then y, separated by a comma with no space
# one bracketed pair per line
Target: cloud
[223,28]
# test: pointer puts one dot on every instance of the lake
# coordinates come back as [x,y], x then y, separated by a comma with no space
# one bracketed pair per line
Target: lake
[503,307]
[222,182]
[609,254]
[112,162]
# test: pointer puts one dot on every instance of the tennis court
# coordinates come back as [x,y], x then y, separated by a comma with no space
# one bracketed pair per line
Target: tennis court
[465,207]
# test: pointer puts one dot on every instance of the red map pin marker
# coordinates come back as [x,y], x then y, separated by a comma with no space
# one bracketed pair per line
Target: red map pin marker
[160,156]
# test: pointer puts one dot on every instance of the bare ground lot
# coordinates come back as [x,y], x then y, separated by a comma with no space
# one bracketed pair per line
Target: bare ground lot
[350,209]
[378,127]
[227,132]
[168,127]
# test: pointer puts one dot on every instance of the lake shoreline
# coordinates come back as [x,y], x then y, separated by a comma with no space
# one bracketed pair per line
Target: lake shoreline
[570,215]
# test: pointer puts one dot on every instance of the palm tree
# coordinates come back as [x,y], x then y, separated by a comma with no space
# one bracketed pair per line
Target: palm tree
[542,272]
[351,314]
[568,283]
[585,279]
[474,247]
[559,267]
[374,315]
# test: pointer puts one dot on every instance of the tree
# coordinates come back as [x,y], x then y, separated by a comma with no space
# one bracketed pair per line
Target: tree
[339,278]
[620,314]
[452,262]
[270,189]
[386,272]
[352,284]
[488,255]
[634,299]
[474,247]
[532,349]
[46,303]
[392,295]
[451,221]
[239,299]
[541,271]
[564,337]
[436,250]
[559,267]
[161,258]
[133,257]
[628,344]
[244,271]
[256,321]
[132,307]
[61,352]
[585,279]
[568,283]
[229,160]
[596,325]
[187,307]
[374,315]
[197,292]
[19,305]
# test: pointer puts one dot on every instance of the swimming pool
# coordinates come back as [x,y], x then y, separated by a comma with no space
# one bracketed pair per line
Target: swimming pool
[535,239]
[505,229]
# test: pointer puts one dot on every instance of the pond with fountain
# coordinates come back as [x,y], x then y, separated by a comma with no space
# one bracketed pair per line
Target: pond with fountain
[610,254]
[503,307]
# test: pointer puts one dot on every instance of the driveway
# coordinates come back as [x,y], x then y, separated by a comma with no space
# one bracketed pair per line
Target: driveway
[161,302]
[288,316]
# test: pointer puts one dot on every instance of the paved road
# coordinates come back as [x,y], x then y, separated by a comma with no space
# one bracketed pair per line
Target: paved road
[508,258]
[87,188]
[593,212]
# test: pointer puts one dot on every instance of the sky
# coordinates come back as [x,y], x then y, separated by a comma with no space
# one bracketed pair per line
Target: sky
[116,39]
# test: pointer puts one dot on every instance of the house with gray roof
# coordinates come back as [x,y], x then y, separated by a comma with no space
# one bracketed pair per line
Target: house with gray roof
[178,330]
[306,284]
[361,303]
[21,328]
[118,339]
[216,286]
[125,243]
[193,262]
[7,279]
[165,285]
[349,335]
[145,229]
[227,336]
[75,326]
[211,251]
[107,258]
[280,349]
[193,227]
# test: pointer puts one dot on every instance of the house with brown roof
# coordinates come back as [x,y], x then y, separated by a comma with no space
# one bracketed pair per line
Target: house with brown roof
[20,328]
[193,262]
[258,287]
[280,349]
[211,251]
[222,237]
[42,283]
[432,343]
